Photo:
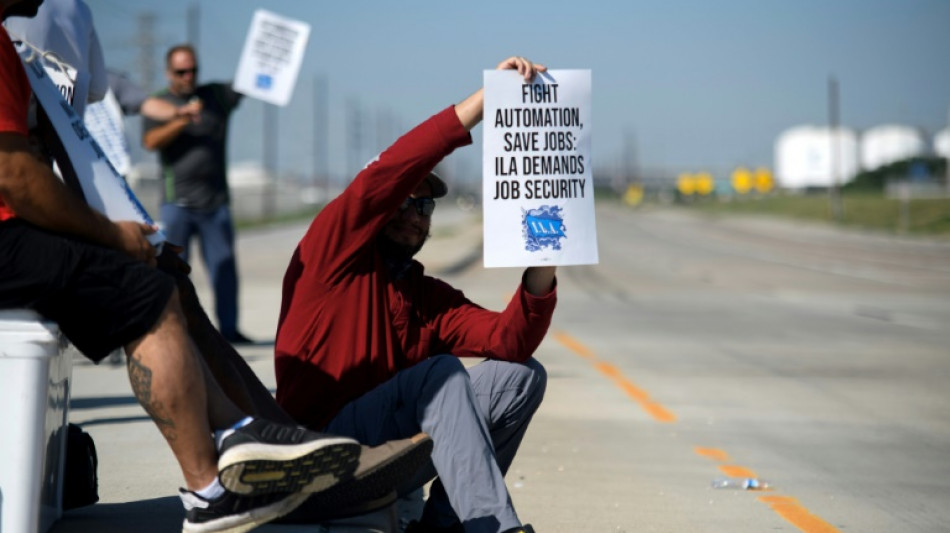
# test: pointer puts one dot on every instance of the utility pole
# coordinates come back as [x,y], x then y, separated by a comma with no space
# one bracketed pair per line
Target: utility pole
[321,130]
[354,137]
[946,161]
[269,156]
[629,157]
[386,127]
[145,43]
[834,192]
[193,17]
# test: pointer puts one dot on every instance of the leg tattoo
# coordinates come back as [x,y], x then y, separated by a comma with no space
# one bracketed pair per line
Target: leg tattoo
[141,378]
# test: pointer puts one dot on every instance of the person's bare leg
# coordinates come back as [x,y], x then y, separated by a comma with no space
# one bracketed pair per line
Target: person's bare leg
[230,370]
[222,412]
[167,380]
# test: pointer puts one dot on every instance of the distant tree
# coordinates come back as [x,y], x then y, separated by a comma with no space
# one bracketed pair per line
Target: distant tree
[926,167]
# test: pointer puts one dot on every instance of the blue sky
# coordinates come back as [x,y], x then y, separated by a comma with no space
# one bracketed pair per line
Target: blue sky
[682,85]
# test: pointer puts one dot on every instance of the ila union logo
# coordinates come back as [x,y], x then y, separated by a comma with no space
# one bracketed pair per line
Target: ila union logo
[543,228]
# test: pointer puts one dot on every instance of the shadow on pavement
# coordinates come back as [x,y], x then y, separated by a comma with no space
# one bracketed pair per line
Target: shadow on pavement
[115,420]
[157,515]
[93,402]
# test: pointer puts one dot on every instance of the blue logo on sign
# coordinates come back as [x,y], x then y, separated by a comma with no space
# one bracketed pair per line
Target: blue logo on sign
[543,228]
[264,81]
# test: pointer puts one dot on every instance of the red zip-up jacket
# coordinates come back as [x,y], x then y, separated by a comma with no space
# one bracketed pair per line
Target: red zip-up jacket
[345,326]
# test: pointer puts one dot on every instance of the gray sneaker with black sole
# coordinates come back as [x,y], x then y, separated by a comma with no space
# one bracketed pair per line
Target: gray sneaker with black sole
[265,457]
[382,469]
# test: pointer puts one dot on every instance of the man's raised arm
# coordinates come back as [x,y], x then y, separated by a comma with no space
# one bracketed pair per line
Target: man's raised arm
[160,136]
[470,110]
[538,280]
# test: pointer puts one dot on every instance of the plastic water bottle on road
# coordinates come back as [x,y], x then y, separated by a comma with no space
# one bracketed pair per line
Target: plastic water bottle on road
[740,483]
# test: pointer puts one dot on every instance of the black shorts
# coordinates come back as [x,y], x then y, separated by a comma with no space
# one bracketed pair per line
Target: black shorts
[101,299]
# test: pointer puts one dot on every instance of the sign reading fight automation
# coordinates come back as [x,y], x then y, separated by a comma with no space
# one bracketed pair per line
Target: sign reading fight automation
[271,58]
[538,190]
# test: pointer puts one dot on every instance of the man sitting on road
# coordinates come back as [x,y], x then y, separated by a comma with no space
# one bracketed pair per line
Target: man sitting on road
[368,346]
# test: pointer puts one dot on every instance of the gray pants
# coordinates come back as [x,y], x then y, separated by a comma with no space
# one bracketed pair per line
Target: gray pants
[476,419]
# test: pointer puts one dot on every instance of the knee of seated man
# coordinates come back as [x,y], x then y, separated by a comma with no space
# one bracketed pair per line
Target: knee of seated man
[441,373]
[538,381]
[443,367]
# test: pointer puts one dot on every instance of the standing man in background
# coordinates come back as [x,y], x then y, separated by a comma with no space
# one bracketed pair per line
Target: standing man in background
[104,122]
[192,150]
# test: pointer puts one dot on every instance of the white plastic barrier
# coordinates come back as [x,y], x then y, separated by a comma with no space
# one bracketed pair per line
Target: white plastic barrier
[35,374]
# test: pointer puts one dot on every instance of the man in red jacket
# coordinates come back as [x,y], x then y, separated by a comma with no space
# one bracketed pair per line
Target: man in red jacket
[368,346]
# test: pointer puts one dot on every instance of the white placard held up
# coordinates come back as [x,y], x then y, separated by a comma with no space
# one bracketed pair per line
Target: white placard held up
[538,190]
[271,58]
[104,122]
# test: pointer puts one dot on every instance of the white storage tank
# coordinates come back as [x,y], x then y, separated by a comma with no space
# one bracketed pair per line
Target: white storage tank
[942,143]
[804,156]
[883,145]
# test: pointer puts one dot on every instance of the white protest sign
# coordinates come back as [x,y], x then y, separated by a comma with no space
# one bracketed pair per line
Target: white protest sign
[271,58]
[538,190]
[103,187]
[103,120]
[65,78]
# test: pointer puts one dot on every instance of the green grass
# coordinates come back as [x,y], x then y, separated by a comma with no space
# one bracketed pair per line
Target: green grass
[867,211]
[296,216]
[861,210]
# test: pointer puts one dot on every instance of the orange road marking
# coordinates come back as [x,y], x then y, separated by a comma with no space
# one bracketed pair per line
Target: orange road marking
[654,409]
[573,345]
[786,507]
[660,413]
[737,471]
[800,517]
[633,391]
[712,453]
[607,369]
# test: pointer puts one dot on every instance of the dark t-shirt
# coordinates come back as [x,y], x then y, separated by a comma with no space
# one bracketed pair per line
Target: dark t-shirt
[194,164]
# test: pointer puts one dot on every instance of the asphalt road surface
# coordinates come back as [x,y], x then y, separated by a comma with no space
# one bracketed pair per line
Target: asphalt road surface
[813,358]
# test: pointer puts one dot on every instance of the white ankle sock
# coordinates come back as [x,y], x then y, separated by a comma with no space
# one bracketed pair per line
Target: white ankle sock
[221,434]
[212,491]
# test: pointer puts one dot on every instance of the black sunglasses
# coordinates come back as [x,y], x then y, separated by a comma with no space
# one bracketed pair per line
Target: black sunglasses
[182,71]
[424,206]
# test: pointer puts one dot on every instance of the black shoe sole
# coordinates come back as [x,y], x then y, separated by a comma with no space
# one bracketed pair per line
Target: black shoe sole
[370,491]
[241,523]
[253,470]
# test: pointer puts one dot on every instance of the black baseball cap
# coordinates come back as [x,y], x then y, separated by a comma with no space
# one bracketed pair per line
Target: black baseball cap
[439,189]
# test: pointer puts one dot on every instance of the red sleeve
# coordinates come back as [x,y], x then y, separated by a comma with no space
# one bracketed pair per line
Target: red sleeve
[349,222]
[468,330]
[15,89]
[14,98]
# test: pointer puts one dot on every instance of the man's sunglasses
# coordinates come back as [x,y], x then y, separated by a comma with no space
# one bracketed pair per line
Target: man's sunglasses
[182,71]
[424,206]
